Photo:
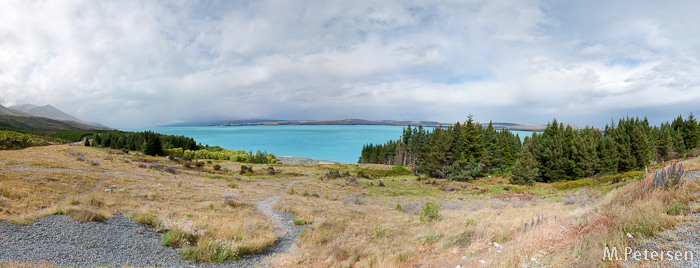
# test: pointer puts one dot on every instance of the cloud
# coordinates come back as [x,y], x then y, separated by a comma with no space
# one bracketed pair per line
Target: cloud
[135,63]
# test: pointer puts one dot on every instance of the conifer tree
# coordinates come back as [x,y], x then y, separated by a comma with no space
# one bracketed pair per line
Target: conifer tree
[626,161]
[524,170]
[550,154]
[471,139]
[640,148]
[584,153]
[691,136]
[664,145]
[435,161]
[608,156]
[152,145]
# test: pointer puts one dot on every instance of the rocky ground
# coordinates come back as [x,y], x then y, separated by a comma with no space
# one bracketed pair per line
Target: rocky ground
[115,242]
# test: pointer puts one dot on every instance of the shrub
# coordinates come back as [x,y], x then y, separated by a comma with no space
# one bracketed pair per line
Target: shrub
[677,209]
[147,219]
[178,239]
[670,176]
[232,185]
[270,171]
[84,214]
[231,200]
[95,201]
[246,170]
[378,231]
[217,167]
[199,164]
[430,212]
[170,169]
[208,251]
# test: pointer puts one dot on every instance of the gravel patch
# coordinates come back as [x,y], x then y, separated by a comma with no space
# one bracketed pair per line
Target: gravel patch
[115,242]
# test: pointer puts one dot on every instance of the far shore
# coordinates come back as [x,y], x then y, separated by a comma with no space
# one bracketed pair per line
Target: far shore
[295,160]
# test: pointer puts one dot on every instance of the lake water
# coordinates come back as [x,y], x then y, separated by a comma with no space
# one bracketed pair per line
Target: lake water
[332,142]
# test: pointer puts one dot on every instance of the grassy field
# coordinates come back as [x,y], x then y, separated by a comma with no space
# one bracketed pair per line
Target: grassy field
[359,215]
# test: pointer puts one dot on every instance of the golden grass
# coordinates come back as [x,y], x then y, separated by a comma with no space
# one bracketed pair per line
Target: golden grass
[354,222]
[25,264]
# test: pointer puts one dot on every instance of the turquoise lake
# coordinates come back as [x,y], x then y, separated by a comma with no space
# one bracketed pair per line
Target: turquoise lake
[339,143]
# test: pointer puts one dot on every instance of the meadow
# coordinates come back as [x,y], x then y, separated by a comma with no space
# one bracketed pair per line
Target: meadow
[366,215]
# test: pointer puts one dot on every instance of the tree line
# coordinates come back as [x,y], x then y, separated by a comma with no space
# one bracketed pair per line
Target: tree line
[467,150]
[148,142]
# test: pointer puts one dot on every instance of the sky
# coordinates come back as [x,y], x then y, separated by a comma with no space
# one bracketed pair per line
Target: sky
[149,63]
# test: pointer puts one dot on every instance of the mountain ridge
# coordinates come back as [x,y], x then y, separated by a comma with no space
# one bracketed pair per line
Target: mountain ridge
[42,117]
[47,111]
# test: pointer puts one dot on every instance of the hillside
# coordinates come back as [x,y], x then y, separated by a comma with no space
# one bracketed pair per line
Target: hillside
[33,122]
[6,111]
[30,116]
[47,111]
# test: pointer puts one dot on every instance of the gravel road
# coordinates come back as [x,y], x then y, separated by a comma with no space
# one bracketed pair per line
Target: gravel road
[114,242]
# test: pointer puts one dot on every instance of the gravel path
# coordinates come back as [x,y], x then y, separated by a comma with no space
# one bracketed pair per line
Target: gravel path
[114,242]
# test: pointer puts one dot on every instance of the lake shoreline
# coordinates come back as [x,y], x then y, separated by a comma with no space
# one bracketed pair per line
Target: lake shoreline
[295,160]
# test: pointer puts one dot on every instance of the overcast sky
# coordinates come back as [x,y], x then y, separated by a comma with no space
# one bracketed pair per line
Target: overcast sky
[145,63]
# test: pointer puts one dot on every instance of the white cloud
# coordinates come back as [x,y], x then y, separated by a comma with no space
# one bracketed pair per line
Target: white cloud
[134,63]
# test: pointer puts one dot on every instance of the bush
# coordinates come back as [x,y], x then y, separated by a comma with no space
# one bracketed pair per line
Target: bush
[670,176]
[231,200]
[208,251]
[677,209]
[430,212]
[245,170]
[84,214]
[178,239]
[217,167]
[146,219]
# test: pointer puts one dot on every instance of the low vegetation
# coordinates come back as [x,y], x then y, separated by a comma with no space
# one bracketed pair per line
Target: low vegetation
[15,140]
[365,215]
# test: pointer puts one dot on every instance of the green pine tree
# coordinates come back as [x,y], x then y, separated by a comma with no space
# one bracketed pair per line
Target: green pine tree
[524,171]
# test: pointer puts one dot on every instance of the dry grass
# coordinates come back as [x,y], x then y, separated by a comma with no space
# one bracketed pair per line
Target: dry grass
[25,264]
[354,222]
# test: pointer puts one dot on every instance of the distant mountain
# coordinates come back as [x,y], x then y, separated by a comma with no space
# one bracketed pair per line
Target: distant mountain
[269,122]
[11,112]
[29,116]
[33,122]
[272,122]
[47,111]
[23,107]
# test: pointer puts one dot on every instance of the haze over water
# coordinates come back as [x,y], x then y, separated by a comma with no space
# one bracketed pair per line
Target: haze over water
[341,143]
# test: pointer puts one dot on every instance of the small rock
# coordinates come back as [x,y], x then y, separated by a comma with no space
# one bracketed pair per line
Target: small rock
[482,261]
[629,235]
[120,190]
[112,186]
[464,257]
[108,190]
